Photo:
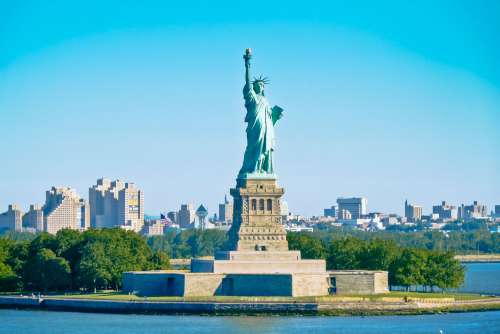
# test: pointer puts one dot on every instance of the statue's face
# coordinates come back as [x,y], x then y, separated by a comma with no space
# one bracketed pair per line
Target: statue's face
[258,87]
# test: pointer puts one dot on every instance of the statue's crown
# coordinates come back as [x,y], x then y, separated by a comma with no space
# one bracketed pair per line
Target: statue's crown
[262,79]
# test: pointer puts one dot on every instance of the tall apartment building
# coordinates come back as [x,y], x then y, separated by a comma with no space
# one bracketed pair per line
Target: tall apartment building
[64,209]
[186,216]
[497,211]
[474,211]
[356,206]
[12,218]
[413,212]
[445,211]
[33,219]
[116,204]
[226,211]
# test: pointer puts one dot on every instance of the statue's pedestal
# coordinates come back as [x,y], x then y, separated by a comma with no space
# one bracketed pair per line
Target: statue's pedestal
[259,256]
[257,215]
[258,262]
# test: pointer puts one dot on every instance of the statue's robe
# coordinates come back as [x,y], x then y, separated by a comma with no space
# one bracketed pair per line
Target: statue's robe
[260,119]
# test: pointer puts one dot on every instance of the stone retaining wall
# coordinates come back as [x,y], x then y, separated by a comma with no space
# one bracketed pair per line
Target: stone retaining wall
[110,306]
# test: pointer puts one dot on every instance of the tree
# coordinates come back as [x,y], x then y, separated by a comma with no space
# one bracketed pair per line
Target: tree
[69,246]
[181,247]
[8,278]
[378,254]
[47,272]
[345,253]
[94,268]
[164,243]
[160,261]
[42,240]
[107,254]
[310,247]
[407,269]
[453,272]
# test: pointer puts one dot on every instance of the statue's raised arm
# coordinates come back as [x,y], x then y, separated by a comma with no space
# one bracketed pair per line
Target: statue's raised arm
[247,56]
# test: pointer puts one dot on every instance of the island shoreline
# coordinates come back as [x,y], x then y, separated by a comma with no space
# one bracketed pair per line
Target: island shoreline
[365,308]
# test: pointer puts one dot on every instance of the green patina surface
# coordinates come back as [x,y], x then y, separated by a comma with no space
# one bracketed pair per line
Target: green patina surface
[261,118]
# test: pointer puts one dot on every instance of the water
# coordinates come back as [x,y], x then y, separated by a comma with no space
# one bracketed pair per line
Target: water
[44,322]
[482,278]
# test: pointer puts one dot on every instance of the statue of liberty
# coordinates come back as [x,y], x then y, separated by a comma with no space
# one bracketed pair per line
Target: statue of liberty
[260,119]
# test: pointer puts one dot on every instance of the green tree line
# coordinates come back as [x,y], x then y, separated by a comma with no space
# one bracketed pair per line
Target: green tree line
[407,267]
[71,260]
[460,242]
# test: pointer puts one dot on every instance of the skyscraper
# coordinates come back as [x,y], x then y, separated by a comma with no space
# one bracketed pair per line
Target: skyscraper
[186,216]
[12,219]
[356,206]
[63,209]
[413,212]
[226,211]
[116,204]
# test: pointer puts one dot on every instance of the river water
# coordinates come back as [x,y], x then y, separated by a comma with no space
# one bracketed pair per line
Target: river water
[46,322]
[480,277]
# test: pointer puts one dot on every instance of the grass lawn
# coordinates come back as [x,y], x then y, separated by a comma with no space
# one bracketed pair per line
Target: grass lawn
[391,296]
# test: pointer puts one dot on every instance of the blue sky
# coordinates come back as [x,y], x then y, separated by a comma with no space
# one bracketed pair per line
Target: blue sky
[387,100]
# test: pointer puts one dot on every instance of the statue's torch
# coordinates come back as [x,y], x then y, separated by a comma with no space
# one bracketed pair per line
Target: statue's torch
[248,55]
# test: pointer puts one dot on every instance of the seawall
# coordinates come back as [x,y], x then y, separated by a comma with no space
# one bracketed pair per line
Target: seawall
[110,306]
[345,307]
[483,258]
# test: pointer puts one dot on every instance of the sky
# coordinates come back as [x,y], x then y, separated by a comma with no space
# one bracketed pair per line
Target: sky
[389,100]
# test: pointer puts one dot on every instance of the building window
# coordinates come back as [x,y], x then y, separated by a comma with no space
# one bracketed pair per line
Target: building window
[269,205]
[261,204]
[254,204]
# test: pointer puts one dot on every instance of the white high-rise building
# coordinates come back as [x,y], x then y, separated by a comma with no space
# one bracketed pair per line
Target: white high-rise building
[12,219]
[64,209]
[116,204]
[356,206]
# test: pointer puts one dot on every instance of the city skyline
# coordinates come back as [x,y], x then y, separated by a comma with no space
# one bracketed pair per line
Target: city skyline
[359,204]
[399,111]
